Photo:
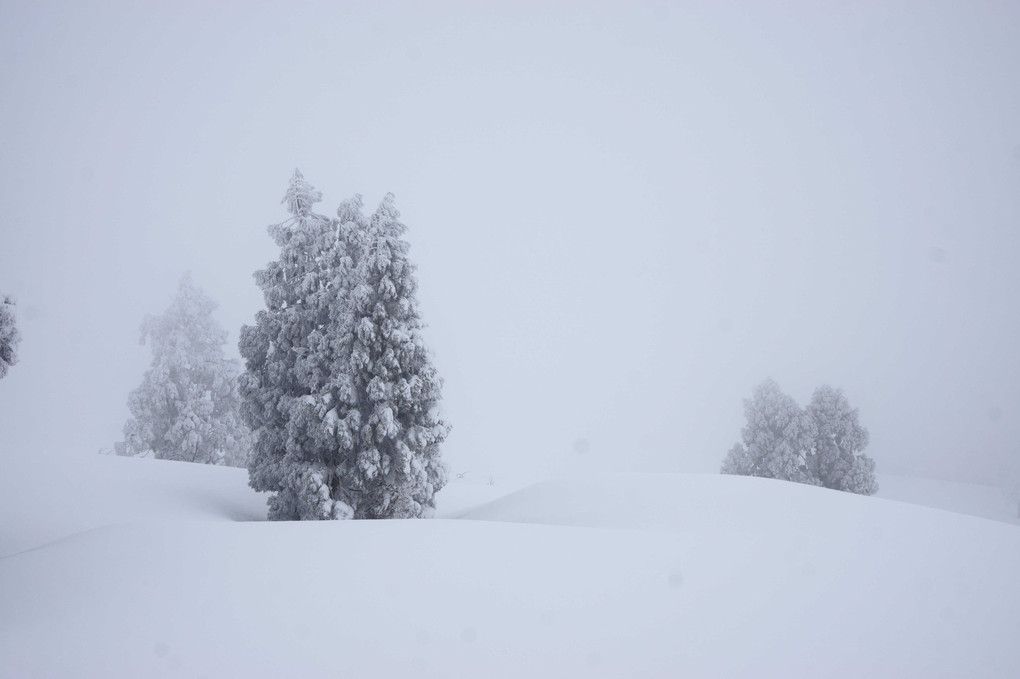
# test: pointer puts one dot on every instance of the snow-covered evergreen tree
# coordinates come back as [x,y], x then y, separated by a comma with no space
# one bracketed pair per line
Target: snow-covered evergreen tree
[339,389]
[9,336]
[738,461]
[187,407]
[821,445]
[860,478]
[295,358]
[777,438]
[394,417]
[837,458]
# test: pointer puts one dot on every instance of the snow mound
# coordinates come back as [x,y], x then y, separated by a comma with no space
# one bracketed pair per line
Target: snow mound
[690,501]
[93,492]
[975,499]
[625,575]
[86,493]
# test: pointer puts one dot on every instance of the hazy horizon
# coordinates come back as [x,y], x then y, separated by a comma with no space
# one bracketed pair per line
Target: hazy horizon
[624,216]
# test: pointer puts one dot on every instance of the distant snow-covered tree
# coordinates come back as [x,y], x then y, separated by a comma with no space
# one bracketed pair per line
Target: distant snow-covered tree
[861,477]
[837,458]
[9,336]
[738,461]
[777,438]
[338,386]
[187,407]
[821,445]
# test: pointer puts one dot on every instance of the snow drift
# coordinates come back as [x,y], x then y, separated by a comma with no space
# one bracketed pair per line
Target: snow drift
[624,575]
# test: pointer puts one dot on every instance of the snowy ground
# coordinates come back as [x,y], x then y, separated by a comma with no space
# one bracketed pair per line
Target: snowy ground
[147,569]
[975,499]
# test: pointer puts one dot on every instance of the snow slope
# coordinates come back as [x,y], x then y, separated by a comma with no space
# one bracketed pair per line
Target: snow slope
[975,499]
[44,502]
[625,575]
[95,492]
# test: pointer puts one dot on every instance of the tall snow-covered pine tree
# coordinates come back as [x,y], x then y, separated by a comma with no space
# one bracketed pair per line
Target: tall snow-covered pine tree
[293,357]
[329,446]
[395,388]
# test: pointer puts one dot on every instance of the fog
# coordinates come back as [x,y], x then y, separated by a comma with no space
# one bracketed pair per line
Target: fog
[625,215]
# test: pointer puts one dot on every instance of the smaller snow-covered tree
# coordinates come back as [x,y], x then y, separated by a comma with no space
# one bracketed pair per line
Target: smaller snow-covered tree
[777,438]
[9,336]
[861,477]
[837,459]
[738,461]
[187,405]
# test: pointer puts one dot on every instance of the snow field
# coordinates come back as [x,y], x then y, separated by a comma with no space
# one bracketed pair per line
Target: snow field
[622,575]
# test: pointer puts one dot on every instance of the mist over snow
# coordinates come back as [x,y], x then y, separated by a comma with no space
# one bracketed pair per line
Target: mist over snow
[625,215]
[645,242]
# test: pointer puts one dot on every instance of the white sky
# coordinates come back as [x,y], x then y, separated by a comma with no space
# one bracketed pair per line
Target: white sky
[625,215]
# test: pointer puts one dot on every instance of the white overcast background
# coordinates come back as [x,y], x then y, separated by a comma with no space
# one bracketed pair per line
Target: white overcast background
[625,215]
